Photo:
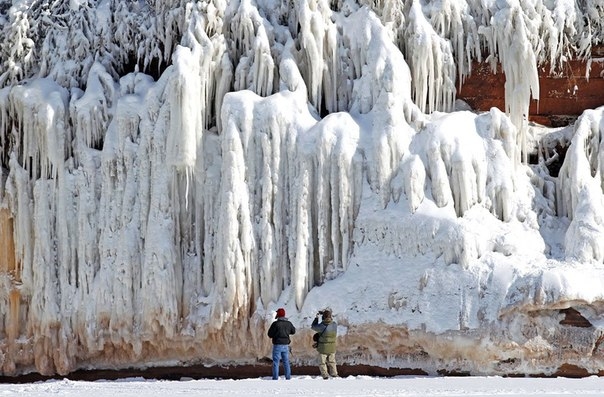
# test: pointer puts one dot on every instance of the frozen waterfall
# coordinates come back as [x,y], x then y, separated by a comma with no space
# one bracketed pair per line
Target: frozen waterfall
[174,171]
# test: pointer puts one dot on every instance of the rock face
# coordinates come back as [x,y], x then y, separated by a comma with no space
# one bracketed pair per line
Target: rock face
[173,171]
[10,280]
[564,94]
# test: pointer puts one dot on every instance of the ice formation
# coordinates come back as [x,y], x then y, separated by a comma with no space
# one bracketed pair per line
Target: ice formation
[173,171]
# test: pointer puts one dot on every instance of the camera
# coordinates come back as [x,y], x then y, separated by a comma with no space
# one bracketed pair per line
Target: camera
[320,312]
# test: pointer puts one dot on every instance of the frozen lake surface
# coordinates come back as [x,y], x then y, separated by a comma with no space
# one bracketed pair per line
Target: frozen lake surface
[315,386]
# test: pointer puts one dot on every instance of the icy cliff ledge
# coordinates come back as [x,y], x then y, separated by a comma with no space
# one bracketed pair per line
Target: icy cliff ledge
[178,170]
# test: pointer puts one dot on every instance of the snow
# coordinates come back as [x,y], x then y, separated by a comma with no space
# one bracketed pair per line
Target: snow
[299,155]
[307,385]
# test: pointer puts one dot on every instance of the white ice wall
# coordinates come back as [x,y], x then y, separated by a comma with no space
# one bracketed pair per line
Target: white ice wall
[284,150]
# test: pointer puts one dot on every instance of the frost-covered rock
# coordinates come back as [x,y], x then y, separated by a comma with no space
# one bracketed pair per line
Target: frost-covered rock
[173,171]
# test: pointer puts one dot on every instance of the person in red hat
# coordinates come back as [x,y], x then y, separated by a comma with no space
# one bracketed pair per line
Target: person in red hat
[279,332]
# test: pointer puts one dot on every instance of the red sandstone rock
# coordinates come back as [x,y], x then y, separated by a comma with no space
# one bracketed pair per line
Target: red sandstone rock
[563,96]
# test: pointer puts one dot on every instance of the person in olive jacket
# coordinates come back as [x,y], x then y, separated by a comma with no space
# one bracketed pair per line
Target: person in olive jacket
[279,332]
[326,344]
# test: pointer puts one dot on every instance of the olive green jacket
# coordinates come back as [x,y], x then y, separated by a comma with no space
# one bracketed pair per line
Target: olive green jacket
[328,330]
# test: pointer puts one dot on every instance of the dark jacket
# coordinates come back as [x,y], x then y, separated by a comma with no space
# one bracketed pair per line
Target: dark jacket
[280,330]
[328,330]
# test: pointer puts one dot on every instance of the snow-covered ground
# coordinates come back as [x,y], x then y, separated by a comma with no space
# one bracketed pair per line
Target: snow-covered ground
[315,386]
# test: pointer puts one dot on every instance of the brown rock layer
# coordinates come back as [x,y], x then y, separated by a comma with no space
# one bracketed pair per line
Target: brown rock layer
[564,95]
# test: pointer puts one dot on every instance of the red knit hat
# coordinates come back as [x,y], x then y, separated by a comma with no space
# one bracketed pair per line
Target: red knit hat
[280,312]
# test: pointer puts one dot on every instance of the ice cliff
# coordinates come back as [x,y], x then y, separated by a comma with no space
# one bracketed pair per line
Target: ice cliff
[174,171]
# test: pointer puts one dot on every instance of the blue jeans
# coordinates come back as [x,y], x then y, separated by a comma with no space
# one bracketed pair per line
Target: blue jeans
[281,352]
